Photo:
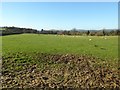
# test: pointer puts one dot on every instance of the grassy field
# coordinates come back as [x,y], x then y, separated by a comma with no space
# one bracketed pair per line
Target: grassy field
[32,60]
[103,47]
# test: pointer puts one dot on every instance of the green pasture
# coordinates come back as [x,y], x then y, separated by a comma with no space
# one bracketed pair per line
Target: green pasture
[98,46]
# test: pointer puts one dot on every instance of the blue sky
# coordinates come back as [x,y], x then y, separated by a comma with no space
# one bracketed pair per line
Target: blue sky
[60,15]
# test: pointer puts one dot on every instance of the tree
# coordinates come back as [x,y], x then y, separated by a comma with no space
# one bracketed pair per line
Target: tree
[112,32]
[88,32]
[103,32]
[42,30]
[92,33]
[117,32]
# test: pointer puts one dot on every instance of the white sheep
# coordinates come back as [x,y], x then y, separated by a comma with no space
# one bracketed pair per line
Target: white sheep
[105,38]
[90,39]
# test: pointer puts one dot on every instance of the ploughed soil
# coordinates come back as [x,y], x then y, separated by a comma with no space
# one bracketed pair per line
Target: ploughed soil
[40,70]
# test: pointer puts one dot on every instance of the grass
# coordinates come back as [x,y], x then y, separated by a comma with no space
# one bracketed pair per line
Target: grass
[45,70]
[98,46]
[32,60]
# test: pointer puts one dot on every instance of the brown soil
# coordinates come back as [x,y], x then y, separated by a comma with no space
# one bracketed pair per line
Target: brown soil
[57,71]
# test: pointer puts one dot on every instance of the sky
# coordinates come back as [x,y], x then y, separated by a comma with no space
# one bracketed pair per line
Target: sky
[60,0]
[60,15]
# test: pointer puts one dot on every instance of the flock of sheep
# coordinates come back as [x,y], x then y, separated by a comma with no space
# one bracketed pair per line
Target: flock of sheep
[80,36]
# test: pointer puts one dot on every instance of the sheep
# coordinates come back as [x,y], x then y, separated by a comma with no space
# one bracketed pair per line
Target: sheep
[105,38]
[90,39]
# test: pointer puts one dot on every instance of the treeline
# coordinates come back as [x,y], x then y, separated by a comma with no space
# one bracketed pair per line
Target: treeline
[17,30]
[103,32]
